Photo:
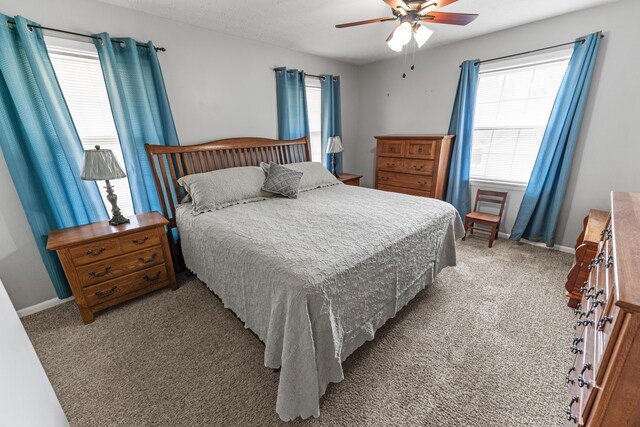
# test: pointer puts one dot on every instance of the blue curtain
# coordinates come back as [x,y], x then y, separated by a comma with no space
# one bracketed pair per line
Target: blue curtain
[40,143]
[538,215]
[140,109]
[293,118]
[331,122]
[461,126]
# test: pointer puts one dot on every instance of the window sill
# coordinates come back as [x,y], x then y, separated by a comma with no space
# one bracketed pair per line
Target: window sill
[500,184]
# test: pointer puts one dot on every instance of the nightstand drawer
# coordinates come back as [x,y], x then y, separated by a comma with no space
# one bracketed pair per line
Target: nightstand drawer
[114,267]
[115,288]
[96,251]
[142,239]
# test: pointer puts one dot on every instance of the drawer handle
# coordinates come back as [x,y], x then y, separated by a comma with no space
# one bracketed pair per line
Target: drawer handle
[570,416]
[581,381]
[96,252]
[576,350]
[101,294]
[102,274]
[609,262]
[148,260]
[140,241]
[422,183]
[586,287]
[603,322]
[390,165]
[152,278]
[596,295]
[597,302]
[568,376]
[584,322]
[418,168]
[384,178]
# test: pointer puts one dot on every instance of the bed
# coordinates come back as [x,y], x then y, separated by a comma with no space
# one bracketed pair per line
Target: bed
[312,277]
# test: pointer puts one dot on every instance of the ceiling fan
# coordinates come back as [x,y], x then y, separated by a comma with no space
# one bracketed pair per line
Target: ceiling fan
[411,15]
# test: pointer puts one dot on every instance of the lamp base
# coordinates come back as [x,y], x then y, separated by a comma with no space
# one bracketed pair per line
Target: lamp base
[117,217]
[334,162]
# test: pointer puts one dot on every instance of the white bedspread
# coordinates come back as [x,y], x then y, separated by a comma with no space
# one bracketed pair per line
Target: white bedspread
[315,277]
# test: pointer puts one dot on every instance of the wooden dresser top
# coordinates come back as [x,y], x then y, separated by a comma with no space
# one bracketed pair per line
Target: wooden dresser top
[419,137]
[625,223]
[102,230]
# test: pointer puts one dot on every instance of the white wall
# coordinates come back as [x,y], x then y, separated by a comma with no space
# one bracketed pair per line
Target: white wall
[219,86]
[608,148]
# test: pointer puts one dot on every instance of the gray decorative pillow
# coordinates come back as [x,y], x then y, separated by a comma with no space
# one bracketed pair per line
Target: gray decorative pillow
[282,180]
[315,175]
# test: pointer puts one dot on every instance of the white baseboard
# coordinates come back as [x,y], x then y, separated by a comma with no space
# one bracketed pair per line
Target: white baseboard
[560,248]
[42,306]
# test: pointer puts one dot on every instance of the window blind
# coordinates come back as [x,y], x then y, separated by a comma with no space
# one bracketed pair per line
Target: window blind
[512,110]
[80,77]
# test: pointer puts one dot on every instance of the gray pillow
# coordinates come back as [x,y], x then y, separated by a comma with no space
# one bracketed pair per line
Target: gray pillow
[282,180]
[221,188]
[315,175]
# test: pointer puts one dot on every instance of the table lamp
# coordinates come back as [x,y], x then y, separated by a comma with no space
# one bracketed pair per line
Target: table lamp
[334,146]
[102,165]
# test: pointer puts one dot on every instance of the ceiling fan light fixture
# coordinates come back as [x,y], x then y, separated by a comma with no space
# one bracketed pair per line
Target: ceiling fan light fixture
[421,34]
[400,36]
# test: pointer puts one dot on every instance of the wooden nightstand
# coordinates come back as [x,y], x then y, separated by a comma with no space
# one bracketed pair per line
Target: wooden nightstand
[350,179]
[106,264]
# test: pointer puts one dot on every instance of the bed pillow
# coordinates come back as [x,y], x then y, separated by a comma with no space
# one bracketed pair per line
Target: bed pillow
[315,175]
[282,180]
[219,189]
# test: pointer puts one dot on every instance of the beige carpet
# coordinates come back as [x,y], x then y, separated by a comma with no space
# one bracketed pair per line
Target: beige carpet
[485,345]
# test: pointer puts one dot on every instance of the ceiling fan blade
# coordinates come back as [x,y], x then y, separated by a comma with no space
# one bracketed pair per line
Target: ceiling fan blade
[368,21]
[449,18]
[398,5]
[431,5]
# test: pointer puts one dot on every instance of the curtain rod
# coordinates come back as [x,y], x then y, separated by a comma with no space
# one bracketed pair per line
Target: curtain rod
[310,75]
[581,40]
[11,21]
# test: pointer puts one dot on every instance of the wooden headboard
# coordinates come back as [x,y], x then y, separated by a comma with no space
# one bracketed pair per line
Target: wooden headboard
[169,163]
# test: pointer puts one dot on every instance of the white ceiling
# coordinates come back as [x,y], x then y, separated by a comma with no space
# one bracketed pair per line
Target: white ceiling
[309,26]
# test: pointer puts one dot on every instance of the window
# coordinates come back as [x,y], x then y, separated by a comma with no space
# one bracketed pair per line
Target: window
[78,70]
[314,108]
[512,110]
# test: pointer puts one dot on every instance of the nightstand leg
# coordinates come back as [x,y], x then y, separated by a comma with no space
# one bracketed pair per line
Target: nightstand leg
[87,315]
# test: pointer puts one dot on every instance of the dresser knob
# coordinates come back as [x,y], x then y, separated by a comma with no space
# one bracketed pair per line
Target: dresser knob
[101,294]
[152,278]
[603,322]
[148,260]
[568,376]
[95,253]
[140,241]
[581,381]
[102,274]
[570,416]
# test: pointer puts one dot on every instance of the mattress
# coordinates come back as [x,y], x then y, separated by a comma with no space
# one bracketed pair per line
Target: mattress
[315,277]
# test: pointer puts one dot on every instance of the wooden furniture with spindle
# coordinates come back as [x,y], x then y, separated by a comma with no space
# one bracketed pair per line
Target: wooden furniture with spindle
[107,264]
[586,248]
[490,222]
[604,380]
[413,164]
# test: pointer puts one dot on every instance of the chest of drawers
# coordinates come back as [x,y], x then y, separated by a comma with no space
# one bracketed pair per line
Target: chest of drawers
[604,380]
[413,164]
[106,265]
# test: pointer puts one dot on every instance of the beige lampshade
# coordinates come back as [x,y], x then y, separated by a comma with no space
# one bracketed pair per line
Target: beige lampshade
[335,145]
[100,165]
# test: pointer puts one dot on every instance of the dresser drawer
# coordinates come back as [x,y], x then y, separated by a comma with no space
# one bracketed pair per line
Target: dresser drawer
[114,267]
[420,167]
[142,239]
[402,190]
[123,285]
[92,252]
[420,149]
[391,148]
[417,182]
[390,164]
